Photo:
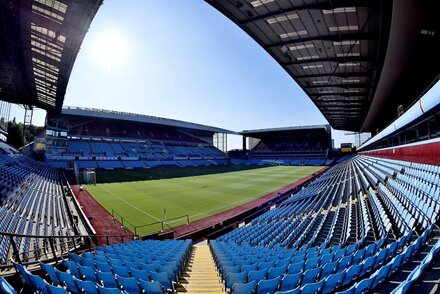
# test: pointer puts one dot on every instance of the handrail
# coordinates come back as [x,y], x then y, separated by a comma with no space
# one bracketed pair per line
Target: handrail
[82,216]
[123,221]
[55,247]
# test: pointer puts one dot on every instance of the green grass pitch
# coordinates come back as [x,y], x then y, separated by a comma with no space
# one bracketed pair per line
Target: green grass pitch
[147,196]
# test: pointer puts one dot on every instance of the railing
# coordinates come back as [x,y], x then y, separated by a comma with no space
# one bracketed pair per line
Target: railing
[52,248]
[160,225]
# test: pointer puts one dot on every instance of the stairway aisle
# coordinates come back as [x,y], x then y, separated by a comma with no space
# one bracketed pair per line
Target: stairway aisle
[200,274]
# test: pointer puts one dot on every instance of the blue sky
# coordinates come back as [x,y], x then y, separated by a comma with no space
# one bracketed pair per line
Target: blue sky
[183,60]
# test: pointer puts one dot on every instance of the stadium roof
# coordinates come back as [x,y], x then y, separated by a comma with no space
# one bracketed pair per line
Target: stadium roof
[40,40]
[357,60]
[285,129]
[142,118]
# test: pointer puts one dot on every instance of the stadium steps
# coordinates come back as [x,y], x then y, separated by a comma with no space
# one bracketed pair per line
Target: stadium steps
[326,228]
[430,282]
[200,274]
[337,234]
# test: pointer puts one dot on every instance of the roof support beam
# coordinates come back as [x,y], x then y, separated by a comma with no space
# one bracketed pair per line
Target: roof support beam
[344,86]
[332,59]
[338,75]
[322,5]
[329,38]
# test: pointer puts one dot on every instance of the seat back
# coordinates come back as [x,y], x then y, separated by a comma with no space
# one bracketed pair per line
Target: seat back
[243,288]
[88,287]
[313,288]
[152,287]
[268,286]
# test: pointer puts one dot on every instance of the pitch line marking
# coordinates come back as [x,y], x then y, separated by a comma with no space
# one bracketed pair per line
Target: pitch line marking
[128,203]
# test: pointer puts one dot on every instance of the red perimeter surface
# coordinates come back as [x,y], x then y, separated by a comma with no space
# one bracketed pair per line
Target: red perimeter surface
[102,221]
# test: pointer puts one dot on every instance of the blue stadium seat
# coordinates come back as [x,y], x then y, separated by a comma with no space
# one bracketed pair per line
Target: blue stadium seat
[72,267]
[364,286]
[5,287]
[23,272]
[352,274]
[56,289]
[105,290]
[283,262]
[89,262]
[344,263]
[140,275]
[101,258]
[329,268]
[257,275]
[88,273]
[313,288]
[292,291]
[291,281]
[152,287]
[295,267]
[333,282]
[87,287]
[107,279]
[115,262]
[327,258]
[51,272]
[38,284]
[132,265]
[129,285]
[67,280]
[148,267]
[310,276]
[268,286]
[162,278]
[276,272]
[121,271]
[358,256]
[170,271]
[75,258]
[382,274]
[311,263]
[368,265]
[249,267]
[243,288]
[103,267]
[381,257]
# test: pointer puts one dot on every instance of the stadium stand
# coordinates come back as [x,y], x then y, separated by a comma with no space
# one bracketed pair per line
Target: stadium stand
[129,266]
[32,203]
[352,229]
[125,140]
[306,145]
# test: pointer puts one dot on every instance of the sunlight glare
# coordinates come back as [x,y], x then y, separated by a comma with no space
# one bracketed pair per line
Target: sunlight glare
[111,49]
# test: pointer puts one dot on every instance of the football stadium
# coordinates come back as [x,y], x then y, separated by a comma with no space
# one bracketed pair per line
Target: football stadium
[105,200]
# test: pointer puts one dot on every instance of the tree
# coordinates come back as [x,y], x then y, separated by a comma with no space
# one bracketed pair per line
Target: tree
[15,134]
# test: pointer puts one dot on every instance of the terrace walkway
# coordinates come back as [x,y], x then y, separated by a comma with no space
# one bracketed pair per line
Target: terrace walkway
[200,275]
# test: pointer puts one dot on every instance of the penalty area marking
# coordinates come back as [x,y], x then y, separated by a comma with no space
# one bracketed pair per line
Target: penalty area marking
[128,203]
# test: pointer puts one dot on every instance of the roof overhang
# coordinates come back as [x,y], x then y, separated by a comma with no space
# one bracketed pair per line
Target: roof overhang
[411,63]
[262,132]
[357,60]
[332,49]
[40,40]
[140,118]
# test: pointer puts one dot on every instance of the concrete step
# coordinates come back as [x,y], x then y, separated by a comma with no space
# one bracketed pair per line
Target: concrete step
[201,274]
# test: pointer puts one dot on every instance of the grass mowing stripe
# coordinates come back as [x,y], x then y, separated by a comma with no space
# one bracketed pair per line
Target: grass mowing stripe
[137,208]
[142,202]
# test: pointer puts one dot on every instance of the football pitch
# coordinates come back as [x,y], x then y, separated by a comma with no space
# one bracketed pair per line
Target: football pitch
[144,197]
